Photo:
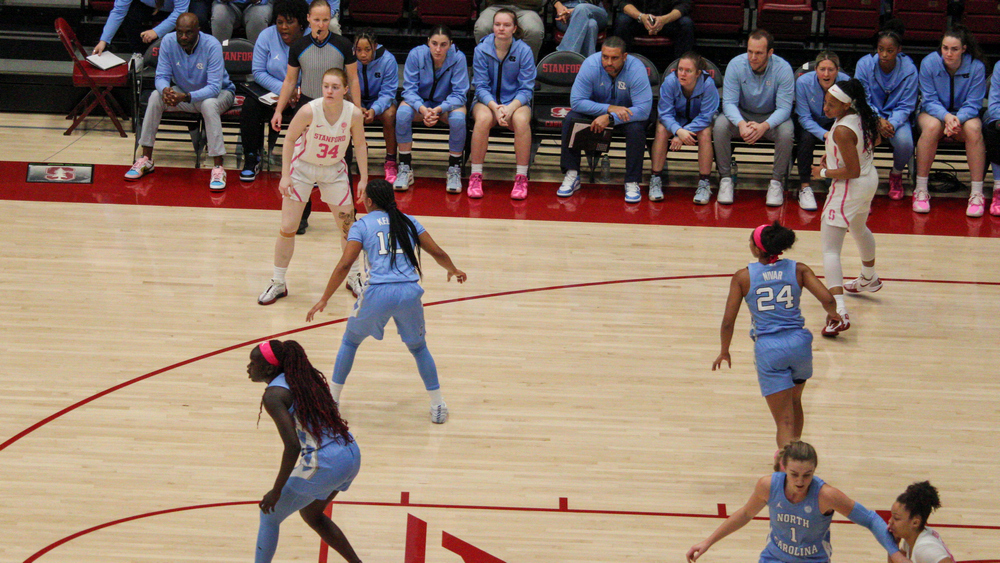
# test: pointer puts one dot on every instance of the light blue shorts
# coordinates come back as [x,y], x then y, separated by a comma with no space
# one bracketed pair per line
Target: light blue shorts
[383,301]
[338,466]
[782,359]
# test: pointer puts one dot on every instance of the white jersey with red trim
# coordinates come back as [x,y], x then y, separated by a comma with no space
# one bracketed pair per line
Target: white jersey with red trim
[836,160]
[848,199]
[326,143]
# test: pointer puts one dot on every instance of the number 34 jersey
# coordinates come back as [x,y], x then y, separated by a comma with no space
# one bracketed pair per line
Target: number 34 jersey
[372,231]
[773,298]
[326,143]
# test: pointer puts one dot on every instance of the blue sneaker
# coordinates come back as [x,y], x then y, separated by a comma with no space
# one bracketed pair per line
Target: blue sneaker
[251,167]
[632,193]
[218,182]
[569,186]
[141,167]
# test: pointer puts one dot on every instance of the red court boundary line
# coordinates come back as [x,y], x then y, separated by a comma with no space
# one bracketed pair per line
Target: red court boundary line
[404,502]
[10,441]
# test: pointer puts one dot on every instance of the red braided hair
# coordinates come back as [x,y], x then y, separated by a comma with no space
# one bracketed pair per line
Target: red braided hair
[315,408]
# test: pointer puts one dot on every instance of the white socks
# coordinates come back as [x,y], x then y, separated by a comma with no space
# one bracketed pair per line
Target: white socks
[921,183]
[335,390]
[477,168]
[841,307]
[436,398]
[279,274]
[867,272]
[977,188]
[522,170]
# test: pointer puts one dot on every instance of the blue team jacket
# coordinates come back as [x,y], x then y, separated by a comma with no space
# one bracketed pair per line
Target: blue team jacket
[379,81]
[772,92]
[201,74]
[594,90]
[809,103]
[676,111]
[516,72]
[892,96]
[961,95]
[448,87]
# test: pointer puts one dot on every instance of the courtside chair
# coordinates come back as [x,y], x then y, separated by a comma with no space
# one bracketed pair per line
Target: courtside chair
[555,75]
[100,82]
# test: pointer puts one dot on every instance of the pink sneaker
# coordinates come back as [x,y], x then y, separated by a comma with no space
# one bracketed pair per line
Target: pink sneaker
[921,201]
[977,206]
[475,186]
[833,328]
[390,171]
[895,187]
[520,190]
[995,206]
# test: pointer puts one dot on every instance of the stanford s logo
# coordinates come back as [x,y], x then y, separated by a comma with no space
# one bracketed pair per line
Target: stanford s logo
[59,174]
[560,112]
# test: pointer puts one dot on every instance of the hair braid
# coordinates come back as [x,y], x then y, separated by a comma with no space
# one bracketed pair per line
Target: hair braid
[869,121]
[402,231]
[315,408]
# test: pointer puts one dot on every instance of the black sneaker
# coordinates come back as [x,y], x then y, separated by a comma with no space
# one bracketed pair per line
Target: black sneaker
[251,167]
[303,225]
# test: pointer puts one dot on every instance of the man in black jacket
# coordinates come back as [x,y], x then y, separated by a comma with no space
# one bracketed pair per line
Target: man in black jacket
[656,18]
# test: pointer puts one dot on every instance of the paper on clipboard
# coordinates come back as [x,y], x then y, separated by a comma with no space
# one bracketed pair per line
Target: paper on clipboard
[105,60]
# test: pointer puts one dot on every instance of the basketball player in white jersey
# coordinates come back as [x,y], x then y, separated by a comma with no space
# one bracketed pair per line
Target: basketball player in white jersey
[313,153]
[848,162]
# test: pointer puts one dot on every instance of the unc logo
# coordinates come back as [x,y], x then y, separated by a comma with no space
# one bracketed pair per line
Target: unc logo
[200,66]
[808,509]
[621,85]
[378,75]
[512,58]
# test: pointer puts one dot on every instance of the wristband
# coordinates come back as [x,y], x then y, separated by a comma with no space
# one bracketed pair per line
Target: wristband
[822,172]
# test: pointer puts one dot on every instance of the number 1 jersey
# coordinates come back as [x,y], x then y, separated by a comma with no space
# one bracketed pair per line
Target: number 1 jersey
[773,298]
[372,231]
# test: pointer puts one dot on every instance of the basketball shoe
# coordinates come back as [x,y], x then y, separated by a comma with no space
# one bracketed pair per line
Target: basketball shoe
[863,284]
[439,413]
[275,291]
[833,328]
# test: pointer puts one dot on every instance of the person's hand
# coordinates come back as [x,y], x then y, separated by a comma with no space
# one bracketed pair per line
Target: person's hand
[745,130]
[675,144]
[502,114]
[834,317]
[317,308]
[686,137]
[815,172]
[885,129]
[459,275]
[101,46]
[148,36]
[757,131]
[432,116]
[648,21]
[285,187]
[270,499]
[697,551]
[171,97]
[294,99]
[276,121]
[362,184]
[563,14]
[658,24]
[369,116]
[599,123]
[952,126]
[825,135]
[621,112]
[717,364]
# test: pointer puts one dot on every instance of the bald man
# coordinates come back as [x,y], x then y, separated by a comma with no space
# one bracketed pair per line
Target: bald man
[190,77]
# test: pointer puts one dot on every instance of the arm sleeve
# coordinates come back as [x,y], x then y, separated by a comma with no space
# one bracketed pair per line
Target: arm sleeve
[731,97]
[977,91]
[481,78]
[164,67]
[216,68]
[459,86]
[526,81]
[867,518]
[665,109]
[583,89]
[928,93]
[411,83]
[167,25]
[387,92]
[804,112]
[907,101]
[261,54]
[709,105]
[784,97]
[115,19]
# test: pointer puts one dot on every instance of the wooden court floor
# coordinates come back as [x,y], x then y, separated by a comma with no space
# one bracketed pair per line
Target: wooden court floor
[586,424]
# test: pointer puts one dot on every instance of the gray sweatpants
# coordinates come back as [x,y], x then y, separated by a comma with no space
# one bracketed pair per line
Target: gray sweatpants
[211,110]
[724,131]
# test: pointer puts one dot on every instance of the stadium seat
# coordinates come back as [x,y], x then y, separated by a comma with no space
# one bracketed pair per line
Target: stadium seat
[719,17]
[852,19]
[786,19]
[453,13]
[556,73]
[100,82]
[982,17]
[925,20]
[376,11]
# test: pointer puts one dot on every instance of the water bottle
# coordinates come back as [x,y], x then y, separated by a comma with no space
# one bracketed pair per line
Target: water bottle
[605,169]
[734,172]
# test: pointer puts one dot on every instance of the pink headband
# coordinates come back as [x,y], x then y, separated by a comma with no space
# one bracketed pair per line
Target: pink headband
[265,349]
[760,245]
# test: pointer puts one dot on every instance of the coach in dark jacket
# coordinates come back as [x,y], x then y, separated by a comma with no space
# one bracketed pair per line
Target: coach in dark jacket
[656,17]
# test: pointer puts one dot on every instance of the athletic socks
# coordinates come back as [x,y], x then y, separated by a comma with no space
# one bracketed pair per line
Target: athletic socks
[867,272]
[477,168]
[921,183]
[335,389]
[279,274]
[841,307]
[703,177]
[977,188]
[436,398]
[523,171]
[390,157]
[404,157]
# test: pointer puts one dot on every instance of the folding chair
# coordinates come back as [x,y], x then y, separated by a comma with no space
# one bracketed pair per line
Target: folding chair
[99,81]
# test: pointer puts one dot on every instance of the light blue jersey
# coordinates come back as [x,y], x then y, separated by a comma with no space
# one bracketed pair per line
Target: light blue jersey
[372,231]
[800,533]
[773,298]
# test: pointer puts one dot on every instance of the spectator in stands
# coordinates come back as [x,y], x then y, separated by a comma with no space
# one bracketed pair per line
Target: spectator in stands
[952,88]
[810,91]
[611,90]
[757,96]
[656,17]
[435,86]
[190,77]
[379,77]
[270,65]
[334,16]
[311,57]
[890,78]
[503,73]
[991,135]
[529,19]
[688,103]
[132,15]
[253,15]
[580,21]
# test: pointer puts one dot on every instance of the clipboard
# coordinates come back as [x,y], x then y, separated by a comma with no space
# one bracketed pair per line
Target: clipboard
[583,139]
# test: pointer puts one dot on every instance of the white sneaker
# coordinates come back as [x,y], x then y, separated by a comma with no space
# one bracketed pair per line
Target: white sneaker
[863,284]
[404,178]
[807,201]
[454,182]
[704,192]
[569,186]
[275,291]
[355,285]
[725,191]
[655,188]
[439,413]
[776,194]
[632,192]
[218,181]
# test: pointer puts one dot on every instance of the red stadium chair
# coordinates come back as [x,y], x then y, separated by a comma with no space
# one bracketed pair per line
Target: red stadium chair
[786,19]
[455,13]
[100,82]
[982,17]
[376,11]
[925,20]
[719,17]
[852,19]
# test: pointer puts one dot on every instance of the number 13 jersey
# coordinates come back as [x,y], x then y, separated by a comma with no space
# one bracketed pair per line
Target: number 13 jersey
[326,143]
[773,298]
